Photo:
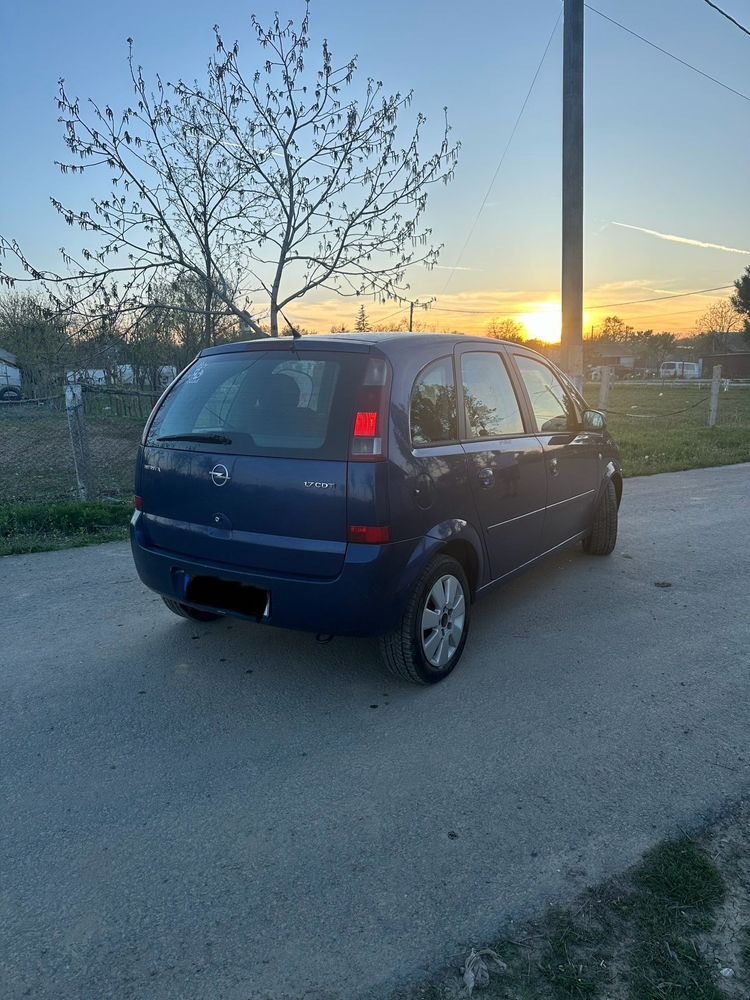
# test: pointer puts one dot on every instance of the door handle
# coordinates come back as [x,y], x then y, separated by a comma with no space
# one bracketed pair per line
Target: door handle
[553,469]
[486,478]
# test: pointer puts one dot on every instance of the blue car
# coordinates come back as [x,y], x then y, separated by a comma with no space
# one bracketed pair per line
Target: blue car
[367,485]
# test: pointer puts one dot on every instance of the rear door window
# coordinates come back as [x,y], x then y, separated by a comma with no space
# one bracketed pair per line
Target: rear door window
[433,414]
[490,401]
[258,403]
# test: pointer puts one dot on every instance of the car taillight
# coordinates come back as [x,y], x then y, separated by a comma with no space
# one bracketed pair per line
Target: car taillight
[370,432]
[365,424]
[138,502]
[369,535]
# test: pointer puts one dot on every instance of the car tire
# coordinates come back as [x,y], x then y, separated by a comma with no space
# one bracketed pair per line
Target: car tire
[185,611]
[603,535]
[430,639]
[10,392]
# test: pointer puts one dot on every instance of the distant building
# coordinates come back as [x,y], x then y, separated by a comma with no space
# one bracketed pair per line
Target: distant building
[619,357]
[734,364]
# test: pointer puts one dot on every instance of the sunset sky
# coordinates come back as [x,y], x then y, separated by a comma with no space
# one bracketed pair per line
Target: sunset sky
[667,151]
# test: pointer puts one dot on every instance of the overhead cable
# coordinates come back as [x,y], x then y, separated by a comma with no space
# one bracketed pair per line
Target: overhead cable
[666,52]
[504,153]
[728,17]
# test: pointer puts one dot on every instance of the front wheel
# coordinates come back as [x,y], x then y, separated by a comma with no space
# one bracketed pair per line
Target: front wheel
[185,611]
[429,642]
[603,535]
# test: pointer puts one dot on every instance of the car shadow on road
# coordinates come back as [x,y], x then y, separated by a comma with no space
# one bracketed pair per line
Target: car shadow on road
[238,656]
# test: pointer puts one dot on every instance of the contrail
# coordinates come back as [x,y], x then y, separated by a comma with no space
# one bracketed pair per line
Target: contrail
[682,239]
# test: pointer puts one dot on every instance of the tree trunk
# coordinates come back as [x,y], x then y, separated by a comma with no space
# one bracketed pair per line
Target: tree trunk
[208,326]
[274,319]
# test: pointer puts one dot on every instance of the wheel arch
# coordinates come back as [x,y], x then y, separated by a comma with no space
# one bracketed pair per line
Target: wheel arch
[613,474]
[617,483]
[463,552]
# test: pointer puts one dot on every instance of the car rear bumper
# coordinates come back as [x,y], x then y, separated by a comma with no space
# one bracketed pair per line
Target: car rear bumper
[366,598]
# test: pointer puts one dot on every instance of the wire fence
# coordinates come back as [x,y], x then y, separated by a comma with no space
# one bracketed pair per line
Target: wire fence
[75,445]
[695,402]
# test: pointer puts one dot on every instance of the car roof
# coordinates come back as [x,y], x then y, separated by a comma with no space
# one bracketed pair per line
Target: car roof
[393,342]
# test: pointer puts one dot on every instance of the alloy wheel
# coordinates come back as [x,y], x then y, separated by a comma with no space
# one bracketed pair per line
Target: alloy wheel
[443,621]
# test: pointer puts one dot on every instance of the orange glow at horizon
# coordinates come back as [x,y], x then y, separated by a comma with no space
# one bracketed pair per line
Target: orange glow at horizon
[540,316]
[545,322]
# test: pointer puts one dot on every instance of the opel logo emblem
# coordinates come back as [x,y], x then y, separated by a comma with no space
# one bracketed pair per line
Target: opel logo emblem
[219,475]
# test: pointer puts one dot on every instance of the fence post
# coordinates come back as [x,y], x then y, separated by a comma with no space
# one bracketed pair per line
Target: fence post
[715,386]
[79,441]
[604,388]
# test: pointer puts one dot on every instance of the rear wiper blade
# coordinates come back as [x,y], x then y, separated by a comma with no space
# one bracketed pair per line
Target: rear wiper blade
[201,438]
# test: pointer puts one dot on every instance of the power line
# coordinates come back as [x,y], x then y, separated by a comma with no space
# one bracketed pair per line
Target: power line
[663,298]
[671,55]
[610,305]
[403,309]
[728,17]
[504,153]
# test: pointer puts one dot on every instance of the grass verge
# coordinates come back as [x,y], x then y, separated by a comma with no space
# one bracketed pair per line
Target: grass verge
[42,527]
[675,927]
[662,428]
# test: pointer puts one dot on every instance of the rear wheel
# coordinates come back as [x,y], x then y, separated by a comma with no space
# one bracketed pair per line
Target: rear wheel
[429,642]
[10,392]
[185,611]
[603,535]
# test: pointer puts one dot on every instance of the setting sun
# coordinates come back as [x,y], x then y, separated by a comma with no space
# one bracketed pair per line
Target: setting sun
[543,324]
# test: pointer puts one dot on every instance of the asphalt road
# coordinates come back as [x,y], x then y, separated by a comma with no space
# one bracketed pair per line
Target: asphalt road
[196,812]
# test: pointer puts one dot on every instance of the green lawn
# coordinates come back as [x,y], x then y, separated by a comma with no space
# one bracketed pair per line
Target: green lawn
[653,437]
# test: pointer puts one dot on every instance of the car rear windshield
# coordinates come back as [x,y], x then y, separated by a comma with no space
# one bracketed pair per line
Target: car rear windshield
[290,404]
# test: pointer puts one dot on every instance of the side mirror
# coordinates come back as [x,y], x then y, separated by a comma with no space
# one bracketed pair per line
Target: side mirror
[594,420]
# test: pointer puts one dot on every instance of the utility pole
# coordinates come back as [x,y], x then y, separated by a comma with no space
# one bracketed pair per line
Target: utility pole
[422,305]
[572,193]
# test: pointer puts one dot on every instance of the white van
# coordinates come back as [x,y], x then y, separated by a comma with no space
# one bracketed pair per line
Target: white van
[679,369]
[10,382]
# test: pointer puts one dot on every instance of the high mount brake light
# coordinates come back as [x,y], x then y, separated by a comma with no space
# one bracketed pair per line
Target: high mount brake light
[370,431]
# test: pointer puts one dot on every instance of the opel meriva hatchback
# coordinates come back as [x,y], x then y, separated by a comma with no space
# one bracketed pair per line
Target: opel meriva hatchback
[367,484]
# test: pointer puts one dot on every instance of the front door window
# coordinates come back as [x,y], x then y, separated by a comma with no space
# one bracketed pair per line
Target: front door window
[553,408]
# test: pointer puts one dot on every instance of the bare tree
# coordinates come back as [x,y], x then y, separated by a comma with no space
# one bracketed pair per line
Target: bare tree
[652,348]
[614,329]
[173,208]
[507,329]
[39,340]
[262,184]
[719,321]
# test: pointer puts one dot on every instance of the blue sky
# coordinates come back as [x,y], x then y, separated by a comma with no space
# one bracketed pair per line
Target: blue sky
[666,150]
